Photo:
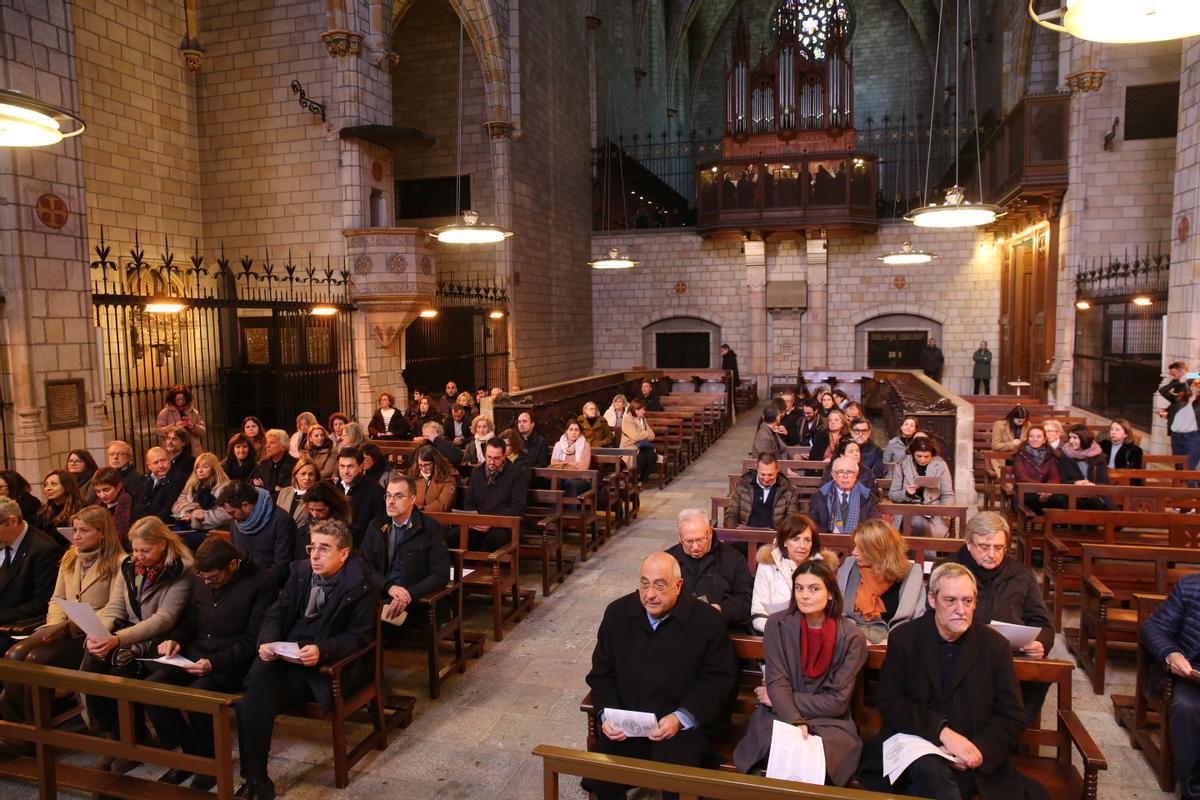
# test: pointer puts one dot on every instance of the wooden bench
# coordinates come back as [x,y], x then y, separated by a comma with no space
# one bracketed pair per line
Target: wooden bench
[399,453]
[541,536]
[579,512]
[1144,714]
[1111,575]
[623,479]
[1153,477]
[496,574]
[909,512]
[1166,462]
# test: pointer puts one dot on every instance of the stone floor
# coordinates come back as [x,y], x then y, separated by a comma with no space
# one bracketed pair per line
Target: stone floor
[475,741]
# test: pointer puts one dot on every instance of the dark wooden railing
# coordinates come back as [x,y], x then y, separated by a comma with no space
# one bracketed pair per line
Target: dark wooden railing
[1028,153]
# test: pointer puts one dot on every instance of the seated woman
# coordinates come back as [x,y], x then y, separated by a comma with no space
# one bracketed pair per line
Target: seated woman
[849,447]
[897,446]
[826,439]
[825,402]
[796,541]
[318,448]
[768,436]
[437,482]
[111,495]
[239,460]
[291,498]
[1036,462]
[882,587]
[62,503]
[253,428]
[352,436]
[595,427]
[304,421]
[1120,449]
[572,451]
[1081,462]
[14,485]
[153,587]
[923,462]
[387,422]
[636,432]
[88,573]
[426,412]
[1055,435]
[82,468]
[481,426]
[514,451]
[614,415]
[1007,434]
[197,508]
[375,464]
[321,502]
[336,427]
[814,655]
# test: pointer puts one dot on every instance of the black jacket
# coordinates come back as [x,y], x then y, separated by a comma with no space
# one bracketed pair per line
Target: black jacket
[791,421]
[271,547]
[158,500]
[686,663]
[29,507]
[397,429]
[1069,472]
[239,470]
[984,702]
[722,577]
[537,450]
[653,401]
[504,498]
[182,466]
[222,624]
[1009,593]
[872,458]
[421,564]
[344,625]
[729,362]
[1175,392]
[444,446]
[1129,456]
[365,497]
[931,360]
[129,477]
[26,586]
[275,475]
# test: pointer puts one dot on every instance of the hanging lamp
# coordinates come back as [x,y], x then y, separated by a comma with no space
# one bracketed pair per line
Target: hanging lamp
[26,121]
[957,211]
[1122,21]
[613,260]
[907,255]
[469,230]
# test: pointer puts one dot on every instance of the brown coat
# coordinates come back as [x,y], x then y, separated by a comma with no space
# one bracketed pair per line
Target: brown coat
[436,495]
[824,702]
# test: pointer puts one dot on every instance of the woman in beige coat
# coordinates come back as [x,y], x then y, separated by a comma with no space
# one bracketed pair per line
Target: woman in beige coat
[636,432]
[1007,434]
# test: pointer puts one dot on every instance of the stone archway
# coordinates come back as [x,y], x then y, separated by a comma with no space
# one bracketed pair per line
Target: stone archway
[695,328]
[904,319]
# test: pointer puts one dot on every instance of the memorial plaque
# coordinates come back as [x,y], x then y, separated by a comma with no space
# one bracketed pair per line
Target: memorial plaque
[65,405]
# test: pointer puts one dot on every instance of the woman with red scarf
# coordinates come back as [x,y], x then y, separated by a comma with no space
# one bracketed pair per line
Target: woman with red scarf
[814,655]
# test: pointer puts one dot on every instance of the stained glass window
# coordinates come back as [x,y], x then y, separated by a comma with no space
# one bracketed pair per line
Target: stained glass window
[808,21]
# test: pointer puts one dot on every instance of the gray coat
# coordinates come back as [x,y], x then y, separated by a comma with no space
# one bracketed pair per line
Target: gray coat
[767,441]
[824,702]
[905,473]
[983,365]
[912,599]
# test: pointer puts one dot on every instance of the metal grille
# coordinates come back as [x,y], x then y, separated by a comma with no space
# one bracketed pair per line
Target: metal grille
[244,340]
[1151,111]
[463,343]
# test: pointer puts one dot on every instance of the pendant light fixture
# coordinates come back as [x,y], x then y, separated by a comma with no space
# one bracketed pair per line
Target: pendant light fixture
[469,230]
[907,255]
[26,121]
[1122,21]
[613,258]
[957,211]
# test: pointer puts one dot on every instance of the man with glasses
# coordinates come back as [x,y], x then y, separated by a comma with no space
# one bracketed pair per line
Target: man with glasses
[218,632]
[838,506]
[405,551]
[328,609]
[120,458]
[870,454]
[660,651]
[1008,592]
[713,572]
[495,487]
[949,679]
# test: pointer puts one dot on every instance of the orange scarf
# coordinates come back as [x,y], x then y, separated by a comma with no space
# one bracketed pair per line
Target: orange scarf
[868,601]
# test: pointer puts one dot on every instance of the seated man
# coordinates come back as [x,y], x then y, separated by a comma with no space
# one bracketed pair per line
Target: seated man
[259,527]
[328,608]
[178,444]
[790,417]
[432,433]
[838,506]
[868,452]
[458,426]
[405,551]
[1172,638]
[496,487]
[950,680]
[537,449]
[1008,592]
[28,568]
[660,651]
[650,397]
[158,489]
[120,458]
[218,630]
[761,499]
[274,472]
[713,572]
[448,400]
[364,495]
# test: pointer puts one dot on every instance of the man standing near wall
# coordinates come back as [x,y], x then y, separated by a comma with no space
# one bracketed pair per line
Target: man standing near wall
[729,362]
[983,369]
[932,360]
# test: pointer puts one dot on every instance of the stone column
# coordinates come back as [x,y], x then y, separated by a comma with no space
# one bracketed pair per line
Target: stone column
[755,252]
[815,340]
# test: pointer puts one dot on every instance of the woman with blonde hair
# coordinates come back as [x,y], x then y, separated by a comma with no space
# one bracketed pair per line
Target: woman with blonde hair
[318,448]
[882,587]
[614,415]
[291,498]
[304,421]
[595,427]
[352,436]
[88,573]
[197,508]
[483,429]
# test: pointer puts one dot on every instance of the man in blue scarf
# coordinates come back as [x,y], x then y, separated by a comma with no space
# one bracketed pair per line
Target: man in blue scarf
[261,528]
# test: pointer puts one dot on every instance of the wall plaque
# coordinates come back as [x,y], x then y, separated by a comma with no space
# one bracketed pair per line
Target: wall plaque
[64,404]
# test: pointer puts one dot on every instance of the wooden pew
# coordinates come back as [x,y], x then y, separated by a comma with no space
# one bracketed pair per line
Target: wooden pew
[1166,462]
[623,479]
[399,453]
[1144,714]
[578,513]
[541,536]
[908,512]
[1111,576]
[1153,477]
[496,574]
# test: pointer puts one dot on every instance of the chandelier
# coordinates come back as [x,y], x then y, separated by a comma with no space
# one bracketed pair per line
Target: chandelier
[1123,21]
[907,255]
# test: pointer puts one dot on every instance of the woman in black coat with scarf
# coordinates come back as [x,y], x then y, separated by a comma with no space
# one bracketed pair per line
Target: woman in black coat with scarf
[1081,462]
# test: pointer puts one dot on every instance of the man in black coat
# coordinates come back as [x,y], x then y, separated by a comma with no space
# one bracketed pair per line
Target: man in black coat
[274,472]
[328,608]
[932,360]
[218,630]
[406,550]
[498,488]
[178,445]
[432,432]
[660,651]
[729,362]
[364,495]
[869,452]
[158,489]
[262,529]
[120,458]
[950,680]
[713,572]
[537,449]
[650,397]
[28,568]
[808,423]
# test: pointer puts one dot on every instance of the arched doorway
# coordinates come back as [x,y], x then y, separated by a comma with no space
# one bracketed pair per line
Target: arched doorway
[681,343]
[893,341]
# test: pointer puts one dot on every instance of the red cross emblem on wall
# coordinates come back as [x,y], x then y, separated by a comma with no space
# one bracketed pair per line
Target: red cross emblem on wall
[52,211]
[680,287]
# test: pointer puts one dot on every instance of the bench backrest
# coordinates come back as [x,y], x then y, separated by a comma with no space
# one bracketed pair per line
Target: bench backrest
[1072,528]
[1128,570]
[840,543]
[1153,477]
[1126,498]
[462,521]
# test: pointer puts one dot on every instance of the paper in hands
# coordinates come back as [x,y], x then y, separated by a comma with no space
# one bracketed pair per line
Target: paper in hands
[84,618]
[634,724]
[288,651]
[794,758]
[172,661]
[1018,635]
[902,749]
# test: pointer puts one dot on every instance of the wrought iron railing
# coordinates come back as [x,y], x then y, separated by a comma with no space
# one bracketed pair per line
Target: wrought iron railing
[1119,278]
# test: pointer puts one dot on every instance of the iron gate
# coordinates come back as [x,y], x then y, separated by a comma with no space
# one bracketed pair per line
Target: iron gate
[263,339]
[467,342]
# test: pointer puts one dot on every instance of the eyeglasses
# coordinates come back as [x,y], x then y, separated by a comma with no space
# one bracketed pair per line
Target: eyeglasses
[990,548]
[845,472]
[860,430]
[319,549]
[397,497]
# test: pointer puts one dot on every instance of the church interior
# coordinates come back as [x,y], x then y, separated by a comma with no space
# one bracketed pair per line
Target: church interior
[222,220]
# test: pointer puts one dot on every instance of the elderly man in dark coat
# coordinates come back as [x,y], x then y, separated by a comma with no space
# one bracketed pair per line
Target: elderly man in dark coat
[838,506]
[660,651]
[713,572]
[950,680]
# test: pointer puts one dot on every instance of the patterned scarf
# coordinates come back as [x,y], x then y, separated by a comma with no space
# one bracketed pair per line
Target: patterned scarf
[318,590]
[851,520]
[145,576]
